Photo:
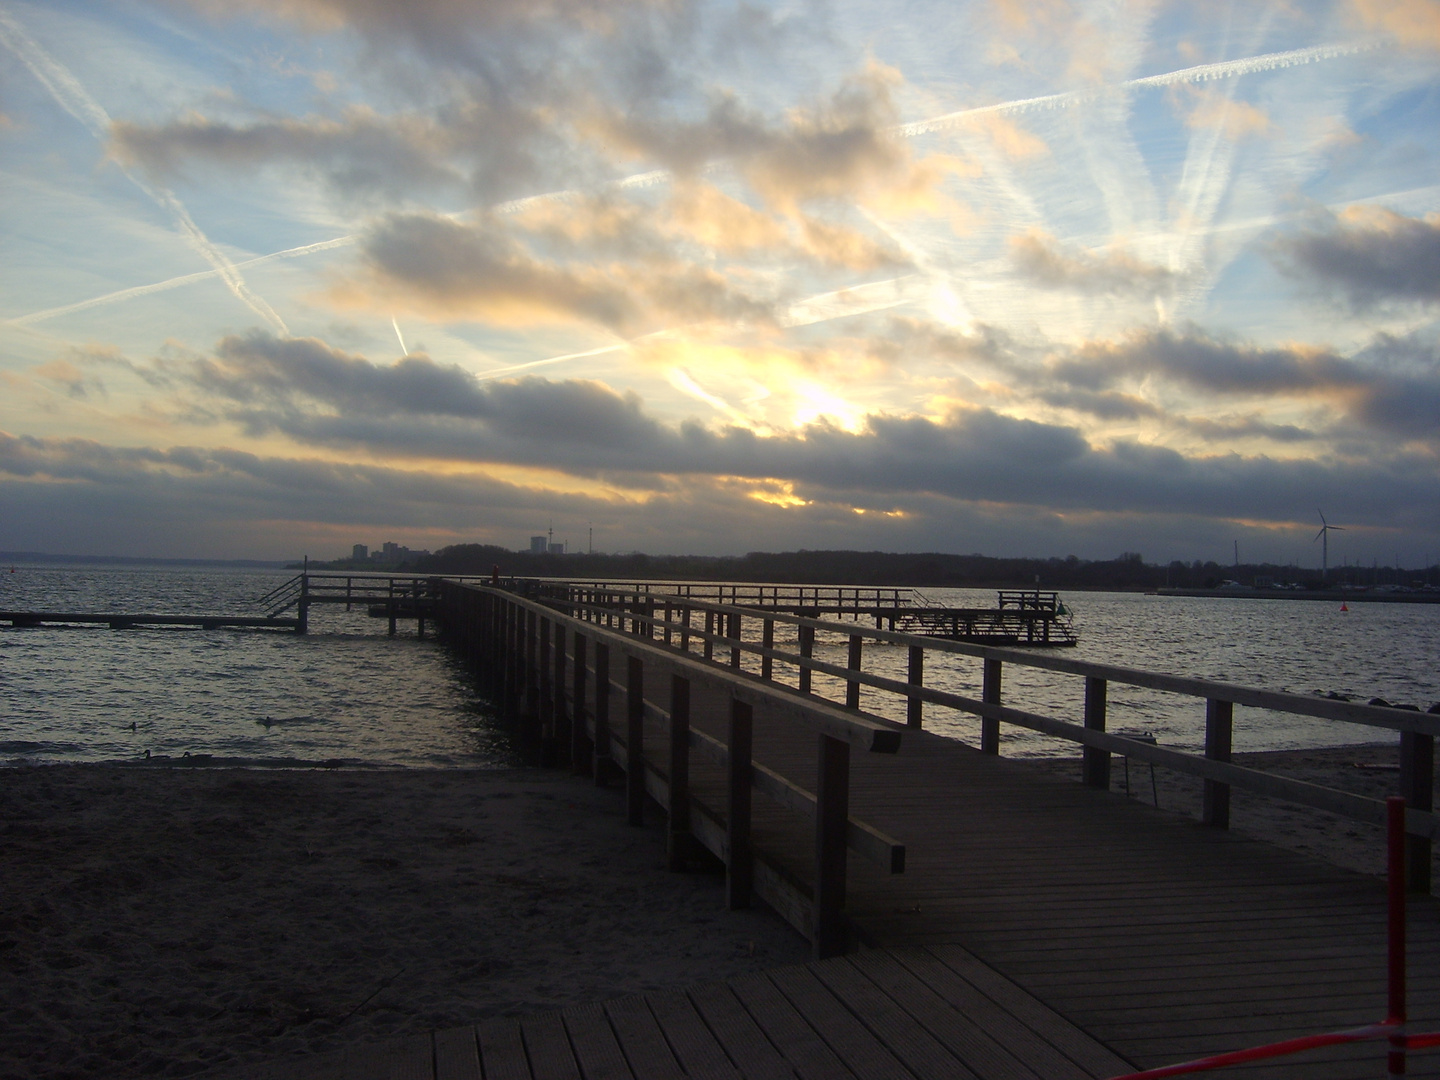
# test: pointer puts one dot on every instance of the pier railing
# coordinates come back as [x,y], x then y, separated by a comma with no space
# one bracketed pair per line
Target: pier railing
[592,691]
[736,632]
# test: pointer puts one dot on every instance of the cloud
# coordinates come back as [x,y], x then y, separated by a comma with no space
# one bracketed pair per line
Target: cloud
[1235,119]
[1040,258]
[1411,22]
[836,150]
[1369,254]
[358,153]
[1392,388]
[453,270]
[419,410]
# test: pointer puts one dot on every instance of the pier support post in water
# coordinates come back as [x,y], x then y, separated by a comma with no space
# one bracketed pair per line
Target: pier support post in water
[832,816]
[990,695]
[635,742]
[678,839]
[739,859]
[302,607]
[1417,786]
[1219,727]
[1096,764]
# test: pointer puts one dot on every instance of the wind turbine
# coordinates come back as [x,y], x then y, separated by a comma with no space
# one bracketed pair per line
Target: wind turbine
[1324,537]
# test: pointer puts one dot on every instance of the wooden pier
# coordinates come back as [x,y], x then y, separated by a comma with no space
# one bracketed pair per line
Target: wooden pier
[125,621]
[997,923]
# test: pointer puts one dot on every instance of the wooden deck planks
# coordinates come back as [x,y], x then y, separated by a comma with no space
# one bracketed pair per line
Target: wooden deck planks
[1041,930]
[738,1034]
[502,1050]
[642,1040]
[597,1052]
[697,1051]
[457,1055]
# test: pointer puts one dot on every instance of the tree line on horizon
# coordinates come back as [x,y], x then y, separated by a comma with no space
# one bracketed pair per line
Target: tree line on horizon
[1126,572]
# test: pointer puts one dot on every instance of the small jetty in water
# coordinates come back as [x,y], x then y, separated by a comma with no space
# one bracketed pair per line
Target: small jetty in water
[1021,616]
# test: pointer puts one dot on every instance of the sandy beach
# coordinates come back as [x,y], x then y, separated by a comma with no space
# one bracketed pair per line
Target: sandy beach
[165,922]
[172,921]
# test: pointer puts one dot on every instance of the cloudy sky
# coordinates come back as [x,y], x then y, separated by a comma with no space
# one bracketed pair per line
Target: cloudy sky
[1038,277]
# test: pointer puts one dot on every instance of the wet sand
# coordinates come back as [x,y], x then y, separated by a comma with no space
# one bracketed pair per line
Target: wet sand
[170,921]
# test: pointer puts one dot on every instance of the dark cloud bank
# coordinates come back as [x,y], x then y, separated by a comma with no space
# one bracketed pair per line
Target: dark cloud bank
[971,481]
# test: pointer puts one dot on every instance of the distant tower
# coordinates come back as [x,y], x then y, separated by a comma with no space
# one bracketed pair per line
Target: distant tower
[360,552]
[539,545]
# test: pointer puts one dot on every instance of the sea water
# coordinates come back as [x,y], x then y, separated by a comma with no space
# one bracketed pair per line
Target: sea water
[348,691]
[344,691]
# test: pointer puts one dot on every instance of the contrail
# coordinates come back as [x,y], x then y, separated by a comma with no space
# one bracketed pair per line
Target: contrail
[72,97]
[396,323]
[1222,69]
[176,282]
[495,372]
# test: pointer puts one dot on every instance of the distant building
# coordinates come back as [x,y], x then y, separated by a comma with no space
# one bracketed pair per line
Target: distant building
[557,549]
[360,552]
[538,545]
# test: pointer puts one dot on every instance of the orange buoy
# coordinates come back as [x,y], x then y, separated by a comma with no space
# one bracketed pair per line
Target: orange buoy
[1344,606]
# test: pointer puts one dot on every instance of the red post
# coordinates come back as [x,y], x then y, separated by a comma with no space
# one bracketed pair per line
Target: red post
[1395,821]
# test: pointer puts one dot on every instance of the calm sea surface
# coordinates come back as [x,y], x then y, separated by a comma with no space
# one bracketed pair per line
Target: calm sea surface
[348,691]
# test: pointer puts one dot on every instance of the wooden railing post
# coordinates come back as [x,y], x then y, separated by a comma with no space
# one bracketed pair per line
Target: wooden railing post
[580,745]
[669,612]
[560,716]
[767,642]
[993,672]
[532,684]
[685,629]
[914,706]
[678,840]
[709,640]
[832,816]
[1095,766]
[602,714]
[635,742]
[739,860]
[1417,786]
[544,712]
[807,650]
[1219,725]
[732,631]
[852,686]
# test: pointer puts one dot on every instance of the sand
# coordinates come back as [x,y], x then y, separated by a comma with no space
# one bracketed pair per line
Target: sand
[169,921]
[164,922]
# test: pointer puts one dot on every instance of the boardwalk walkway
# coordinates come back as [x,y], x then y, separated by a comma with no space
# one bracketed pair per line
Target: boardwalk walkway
[1041,928]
